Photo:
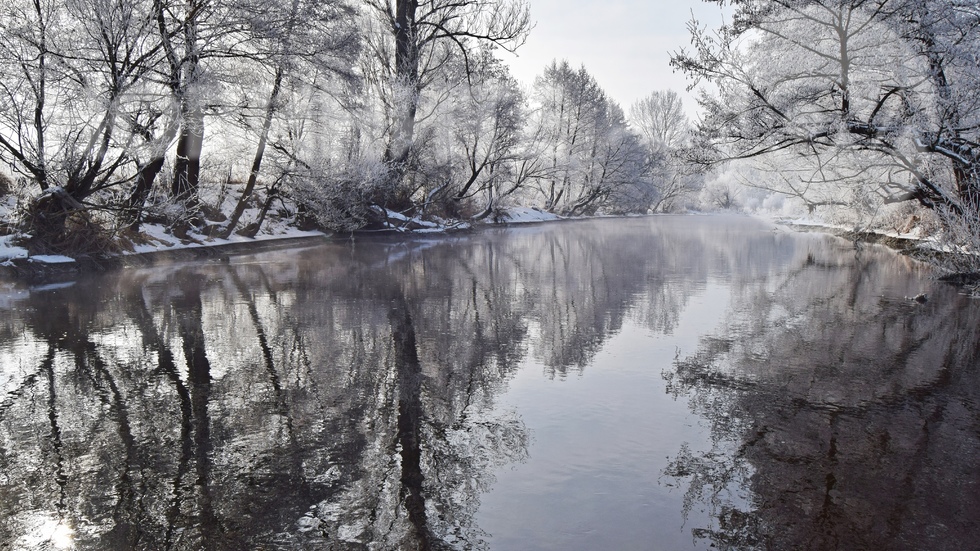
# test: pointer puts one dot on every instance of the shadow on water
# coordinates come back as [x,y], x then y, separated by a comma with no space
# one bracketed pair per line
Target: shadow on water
[343,396]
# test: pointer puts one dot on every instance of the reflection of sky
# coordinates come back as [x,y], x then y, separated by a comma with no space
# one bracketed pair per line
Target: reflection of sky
[624,44]
[608,493]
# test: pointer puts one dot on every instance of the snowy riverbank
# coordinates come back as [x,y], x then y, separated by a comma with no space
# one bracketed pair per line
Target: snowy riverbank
[912,243]
[949,262]
[158,241]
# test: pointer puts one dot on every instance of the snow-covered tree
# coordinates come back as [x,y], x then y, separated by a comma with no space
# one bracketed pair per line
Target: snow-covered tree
[302,46]
[661,122]
[415,41]
[79,103]
[470,141]
[486,130]
[590,153]
[878,94]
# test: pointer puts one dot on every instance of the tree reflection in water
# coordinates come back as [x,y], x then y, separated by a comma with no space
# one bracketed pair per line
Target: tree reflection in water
[848,413]
[335,397]
[212,406]
[344,396]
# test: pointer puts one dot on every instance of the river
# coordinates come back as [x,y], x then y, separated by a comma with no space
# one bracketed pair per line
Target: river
[673,382]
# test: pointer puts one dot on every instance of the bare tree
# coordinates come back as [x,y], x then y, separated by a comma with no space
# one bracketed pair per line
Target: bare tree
[589,151]
[660,120]
[567,103]
[475,136]
[78,97]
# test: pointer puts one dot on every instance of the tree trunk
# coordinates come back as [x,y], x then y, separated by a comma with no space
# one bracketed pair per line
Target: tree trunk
[42,176]
[270,109]
[406,75]
[187,166]
[146,176]
[133,210]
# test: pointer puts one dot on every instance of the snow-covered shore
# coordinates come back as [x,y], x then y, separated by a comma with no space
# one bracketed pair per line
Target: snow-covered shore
[157,241]
[953,265]
[911,243]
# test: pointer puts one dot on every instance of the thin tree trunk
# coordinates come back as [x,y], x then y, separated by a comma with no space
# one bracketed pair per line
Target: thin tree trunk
[253,229]
[39,106]
[270,110]
[133,210]
[147,174]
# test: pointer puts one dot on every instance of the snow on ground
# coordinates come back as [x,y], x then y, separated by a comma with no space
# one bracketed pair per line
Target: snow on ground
[392,215]
[914,234]
[157,237]
[51,258]
[923,240]
[9,251]
[523,215]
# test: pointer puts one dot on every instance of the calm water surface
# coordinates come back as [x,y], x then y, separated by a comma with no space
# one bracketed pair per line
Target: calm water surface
[655,383]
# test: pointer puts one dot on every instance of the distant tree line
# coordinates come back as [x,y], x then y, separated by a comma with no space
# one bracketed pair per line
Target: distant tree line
[211,115]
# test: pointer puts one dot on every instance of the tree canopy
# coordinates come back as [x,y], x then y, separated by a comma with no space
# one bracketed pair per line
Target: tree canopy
[875,100]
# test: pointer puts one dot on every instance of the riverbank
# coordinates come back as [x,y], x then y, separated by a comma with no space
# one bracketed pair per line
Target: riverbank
[156,243]
[914,246]
[909,245]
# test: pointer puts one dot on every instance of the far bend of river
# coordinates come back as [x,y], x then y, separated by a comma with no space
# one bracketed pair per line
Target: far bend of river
[655,383]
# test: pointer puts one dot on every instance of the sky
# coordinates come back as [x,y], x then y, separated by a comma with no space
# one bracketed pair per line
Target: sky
[624,44]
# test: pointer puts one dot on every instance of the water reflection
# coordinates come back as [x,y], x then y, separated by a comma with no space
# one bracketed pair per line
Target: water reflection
[844,411]
[271,404]
[344,396]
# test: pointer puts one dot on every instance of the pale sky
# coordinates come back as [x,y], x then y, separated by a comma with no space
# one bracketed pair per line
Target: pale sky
[624,44]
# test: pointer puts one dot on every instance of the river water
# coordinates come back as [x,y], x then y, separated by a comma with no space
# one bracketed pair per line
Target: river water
[651,383]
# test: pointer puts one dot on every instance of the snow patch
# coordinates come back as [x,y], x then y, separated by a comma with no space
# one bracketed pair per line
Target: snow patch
[51,259]
[8,251]
[524,215]
[157,238]
[416,221]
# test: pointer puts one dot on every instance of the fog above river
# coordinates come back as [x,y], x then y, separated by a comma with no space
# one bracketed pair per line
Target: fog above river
[692,381]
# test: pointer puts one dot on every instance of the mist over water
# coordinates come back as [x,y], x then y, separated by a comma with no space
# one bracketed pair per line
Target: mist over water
[642,383]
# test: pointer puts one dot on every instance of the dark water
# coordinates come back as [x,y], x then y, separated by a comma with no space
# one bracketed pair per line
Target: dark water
[661,383]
